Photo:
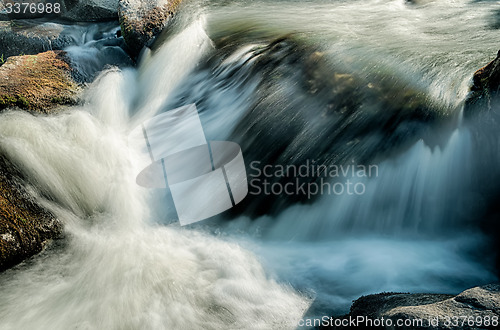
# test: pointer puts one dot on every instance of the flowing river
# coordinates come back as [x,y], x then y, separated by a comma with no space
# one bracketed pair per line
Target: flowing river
[377,82]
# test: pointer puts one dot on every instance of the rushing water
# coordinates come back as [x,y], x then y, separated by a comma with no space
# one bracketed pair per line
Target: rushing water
[126,264]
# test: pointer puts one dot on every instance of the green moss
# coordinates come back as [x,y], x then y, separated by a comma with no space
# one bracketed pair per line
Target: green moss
[37,82]
[22,102]
[21,219]
[9,101]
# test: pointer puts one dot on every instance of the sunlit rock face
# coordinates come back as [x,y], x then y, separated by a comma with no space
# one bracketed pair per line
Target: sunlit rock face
[141,21]
[485,90]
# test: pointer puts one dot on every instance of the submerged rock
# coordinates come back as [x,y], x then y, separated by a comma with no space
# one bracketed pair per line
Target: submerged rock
[437,311]
[310,109]
[485,91]
[25,226]
[37,82]
[142,21]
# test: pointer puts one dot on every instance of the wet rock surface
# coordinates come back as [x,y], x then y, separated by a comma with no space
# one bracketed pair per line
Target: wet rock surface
[485,91]
[30,37]
[25,226]
[37,83]
[142,21]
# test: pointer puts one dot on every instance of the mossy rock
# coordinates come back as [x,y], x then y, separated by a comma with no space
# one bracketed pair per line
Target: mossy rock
[24,225]
[37,83]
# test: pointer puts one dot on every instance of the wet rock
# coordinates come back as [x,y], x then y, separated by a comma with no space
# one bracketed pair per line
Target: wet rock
[29,37]
[142,21]
[25,227]
[37,83]
[485,91]
[418,2]
[437,311]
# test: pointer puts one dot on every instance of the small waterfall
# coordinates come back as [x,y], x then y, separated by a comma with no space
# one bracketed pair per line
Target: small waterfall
[116,268]
[161,72]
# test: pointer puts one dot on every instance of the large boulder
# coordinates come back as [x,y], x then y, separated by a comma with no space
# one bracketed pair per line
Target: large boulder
[308,110]
[485,91]
[25,227]
[37,82]
[90,10]
[142,21]
[468,310]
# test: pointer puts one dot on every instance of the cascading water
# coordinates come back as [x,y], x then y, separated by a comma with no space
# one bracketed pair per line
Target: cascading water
[125,263]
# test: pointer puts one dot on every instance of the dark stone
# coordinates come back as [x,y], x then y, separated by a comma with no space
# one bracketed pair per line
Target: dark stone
[25,227]
[308,109]
[485,90]
[29,37]
[90,11]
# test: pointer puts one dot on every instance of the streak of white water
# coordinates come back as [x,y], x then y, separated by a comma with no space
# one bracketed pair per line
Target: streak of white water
[169,65]
[434,43]
[96,46]
[423,190]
